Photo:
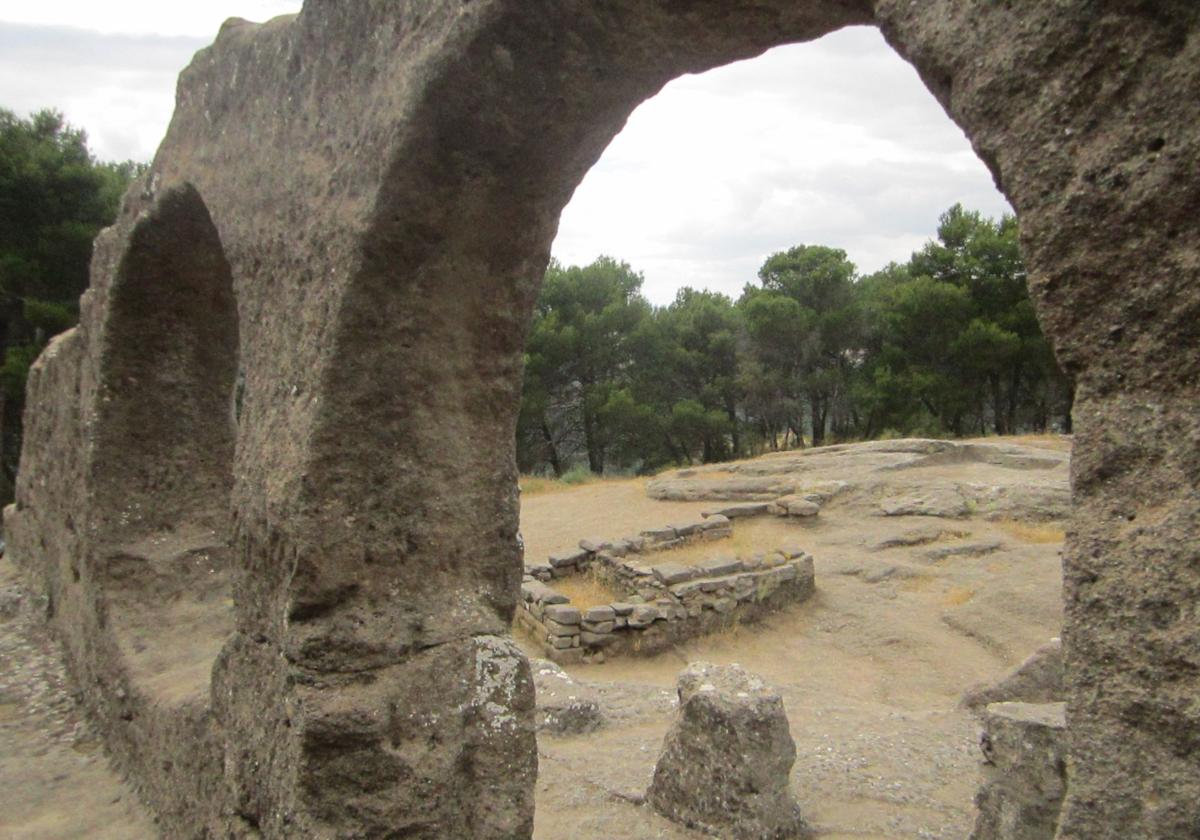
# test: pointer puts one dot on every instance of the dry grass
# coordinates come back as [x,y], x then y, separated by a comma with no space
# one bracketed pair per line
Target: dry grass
[533,485]
[1033,534]
[585,590]
[956,596]
[742,542]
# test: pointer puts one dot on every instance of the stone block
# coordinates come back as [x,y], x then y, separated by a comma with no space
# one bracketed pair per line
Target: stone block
[715,522]
[554,628]
[598,626]
[599,614]
[563,614]
[1025,773]
[1039,679]
[570,557]
[589,639]
[672,573]
[719,566]
[739,511]
[660,535]
[686,529]
[621,608]
[796,506]
[564,706]
[538,591]
[643,615]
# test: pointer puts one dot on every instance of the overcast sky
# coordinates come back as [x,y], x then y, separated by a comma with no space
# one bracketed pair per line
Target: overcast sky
[834,142]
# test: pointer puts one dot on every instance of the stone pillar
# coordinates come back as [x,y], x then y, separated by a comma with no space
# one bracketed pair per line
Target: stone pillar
[725,761]
[1025,772]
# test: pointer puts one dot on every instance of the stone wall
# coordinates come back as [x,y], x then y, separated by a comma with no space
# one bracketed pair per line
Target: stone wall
[662,603]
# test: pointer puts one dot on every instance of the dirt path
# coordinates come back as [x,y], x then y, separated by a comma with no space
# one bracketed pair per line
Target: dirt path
[55,782]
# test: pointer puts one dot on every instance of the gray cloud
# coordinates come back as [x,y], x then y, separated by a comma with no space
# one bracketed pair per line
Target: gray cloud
[867,163]
[119,88]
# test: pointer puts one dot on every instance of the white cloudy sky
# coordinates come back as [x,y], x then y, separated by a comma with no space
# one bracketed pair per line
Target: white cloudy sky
[834,142]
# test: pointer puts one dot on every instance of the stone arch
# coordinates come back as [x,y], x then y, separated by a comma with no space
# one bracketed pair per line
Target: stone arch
[387,178]
[162,450]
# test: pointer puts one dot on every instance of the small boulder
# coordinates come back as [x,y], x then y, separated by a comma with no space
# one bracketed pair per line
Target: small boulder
[725,762]
[564,706]
[795,506]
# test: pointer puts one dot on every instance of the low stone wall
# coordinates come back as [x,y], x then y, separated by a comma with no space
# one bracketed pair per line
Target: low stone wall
[662,602]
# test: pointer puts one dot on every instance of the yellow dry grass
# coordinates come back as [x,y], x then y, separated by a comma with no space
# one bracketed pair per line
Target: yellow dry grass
[743,541]
[920,582]
[585,590]
[1033,534]
[956,596]
[532,485]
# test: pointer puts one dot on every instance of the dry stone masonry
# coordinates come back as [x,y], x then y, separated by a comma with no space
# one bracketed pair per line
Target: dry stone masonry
[660,602]
[346,225]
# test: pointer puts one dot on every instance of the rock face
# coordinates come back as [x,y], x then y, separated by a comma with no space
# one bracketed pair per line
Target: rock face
[1039,679]
[346,225]
[725,762]
[1025,772]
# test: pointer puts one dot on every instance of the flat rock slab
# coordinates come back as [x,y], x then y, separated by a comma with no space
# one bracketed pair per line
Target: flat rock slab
[971,549]
[740,489]
[672,573]
[739,511]
[914,537]
[931,501]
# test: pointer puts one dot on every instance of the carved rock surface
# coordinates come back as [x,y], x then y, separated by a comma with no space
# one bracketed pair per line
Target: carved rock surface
[1025,772]
[725,762]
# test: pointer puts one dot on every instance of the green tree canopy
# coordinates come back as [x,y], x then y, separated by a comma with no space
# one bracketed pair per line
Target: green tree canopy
[54,198]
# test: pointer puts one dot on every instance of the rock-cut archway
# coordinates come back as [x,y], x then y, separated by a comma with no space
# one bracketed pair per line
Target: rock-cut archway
[386,178]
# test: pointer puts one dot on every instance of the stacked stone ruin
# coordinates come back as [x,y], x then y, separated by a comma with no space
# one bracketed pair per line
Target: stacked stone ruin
[350,215]
[662,602]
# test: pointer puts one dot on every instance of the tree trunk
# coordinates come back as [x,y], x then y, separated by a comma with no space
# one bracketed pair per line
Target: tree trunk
[555,461]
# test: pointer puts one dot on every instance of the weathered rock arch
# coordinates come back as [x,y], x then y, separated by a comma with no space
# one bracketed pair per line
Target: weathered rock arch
[385,179]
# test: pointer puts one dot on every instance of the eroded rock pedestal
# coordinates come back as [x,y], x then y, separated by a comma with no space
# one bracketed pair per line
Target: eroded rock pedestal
[294,385]
[1025,772]
[725,762]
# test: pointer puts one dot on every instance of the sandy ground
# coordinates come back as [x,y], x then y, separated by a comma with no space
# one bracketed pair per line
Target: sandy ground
[871,670]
